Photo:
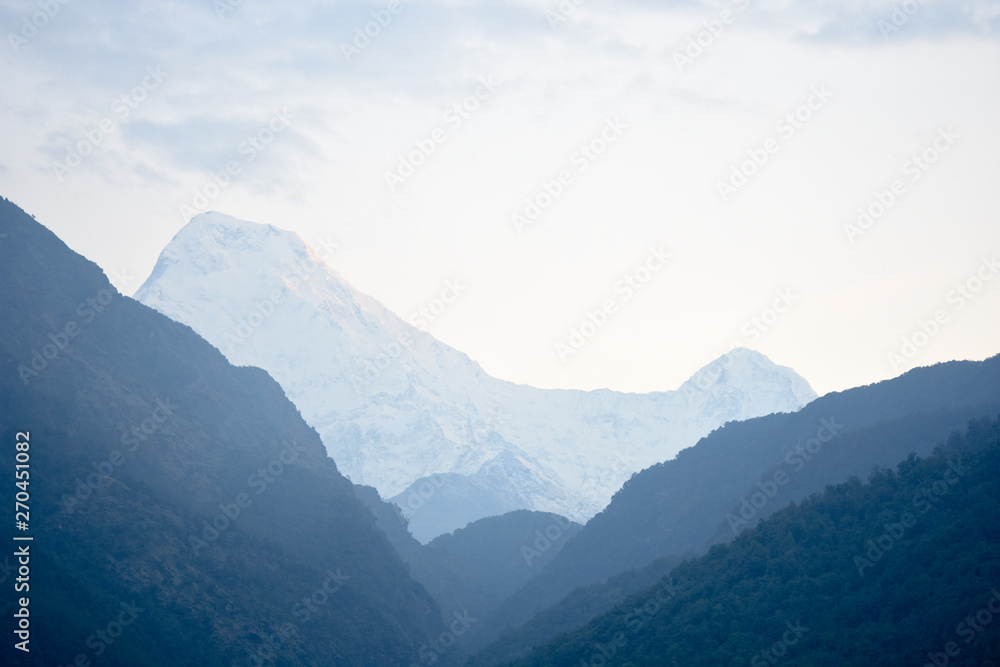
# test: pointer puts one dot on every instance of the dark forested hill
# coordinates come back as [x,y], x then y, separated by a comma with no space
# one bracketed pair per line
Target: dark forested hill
[740,473]
[182,511]
[473,569]
[503,552]
[901,570]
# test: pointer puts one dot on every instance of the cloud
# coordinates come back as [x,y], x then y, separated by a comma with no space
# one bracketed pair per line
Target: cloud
[196,143]
[880,22]
[355,117]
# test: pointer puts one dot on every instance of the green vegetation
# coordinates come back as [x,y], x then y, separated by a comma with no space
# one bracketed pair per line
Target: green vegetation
[190,495]
[116,517]
[681,507]
[886,572]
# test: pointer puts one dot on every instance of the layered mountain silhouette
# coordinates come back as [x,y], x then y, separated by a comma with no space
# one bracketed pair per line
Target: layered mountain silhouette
[418,420]
[901,570]
[476,568]
[731,479]
[185,511]
[182,512]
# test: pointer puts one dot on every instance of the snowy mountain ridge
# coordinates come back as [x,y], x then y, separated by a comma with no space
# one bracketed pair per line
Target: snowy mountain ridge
[418,420]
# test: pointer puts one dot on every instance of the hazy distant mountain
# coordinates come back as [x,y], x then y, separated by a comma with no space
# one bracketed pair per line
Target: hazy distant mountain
[735,476]
[416,419]
[182,512]
[477,567]
[502,552]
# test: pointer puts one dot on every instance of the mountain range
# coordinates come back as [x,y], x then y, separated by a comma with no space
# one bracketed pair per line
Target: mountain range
[729,481]
[419,421]
[183,511]
[901,570]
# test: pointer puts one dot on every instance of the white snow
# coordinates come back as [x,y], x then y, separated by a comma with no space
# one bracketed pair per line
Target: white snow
[394,405]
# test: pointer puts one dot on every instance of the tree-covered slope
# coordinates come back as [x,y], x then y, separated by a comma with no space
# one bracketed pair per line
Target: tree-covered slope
[901,570]
[473,569]
[182,511]
[574,610]
[503,552]
[684,505]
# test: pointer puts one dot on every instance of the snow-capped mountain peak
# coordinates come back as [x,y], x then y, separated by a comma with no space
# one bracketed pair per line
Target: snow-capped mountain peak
[418,420]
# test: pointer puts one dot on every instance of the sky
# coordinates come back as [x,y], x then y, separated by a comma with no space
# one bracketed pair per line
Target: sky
[606,194]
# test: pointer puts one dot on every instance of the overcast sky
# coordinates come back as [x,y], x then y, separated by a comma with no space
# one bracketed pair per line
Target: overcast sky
[737,138]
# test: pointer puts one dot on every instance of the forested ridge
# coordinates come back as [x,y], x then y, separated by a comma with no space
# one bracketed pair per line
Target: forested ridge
[898,570]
